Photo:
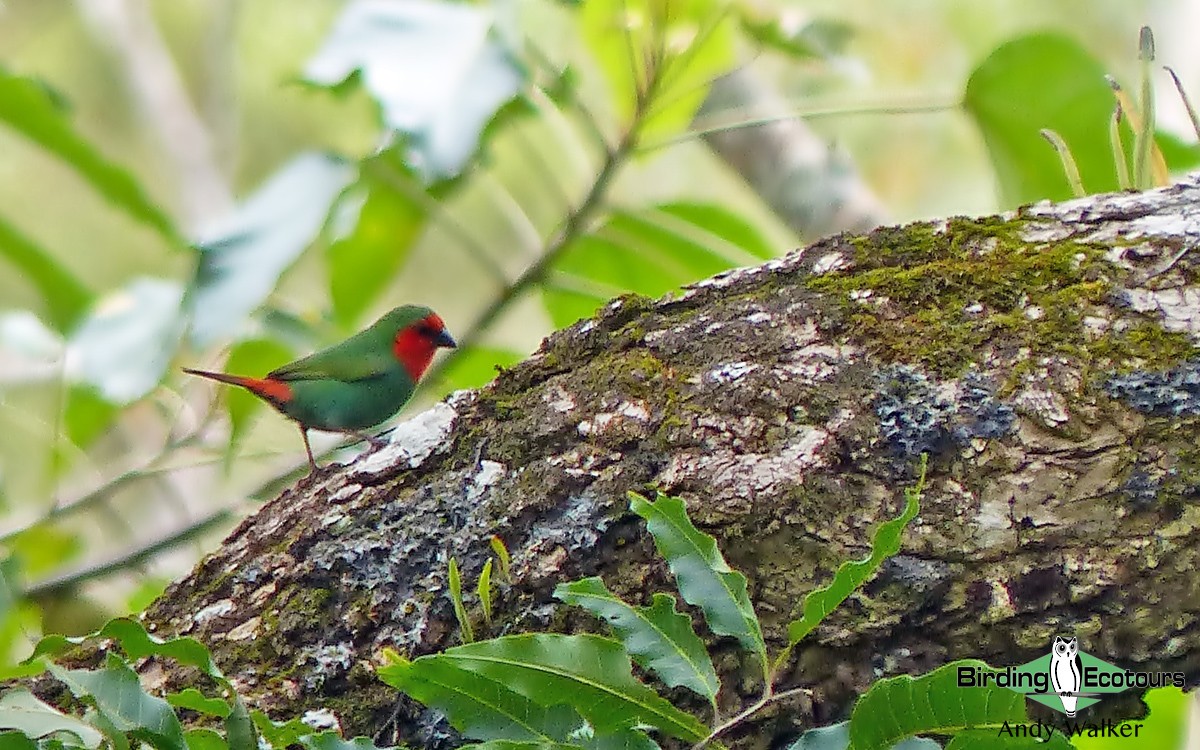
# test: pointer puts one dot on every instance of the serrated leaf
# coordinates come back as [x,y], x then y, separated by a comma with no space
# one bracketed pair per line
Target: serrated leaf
[592,674]
[900,707]
[64,296]
[437,70]
[137,643]
[852,574]
[279,734]
[21,710]
[241,261]
[193,700]
[123,346]
[1038,81]
[28,107]
[362,262]
[254,357]
[659,638]
[694,42]
[480,707]
[705,580]
[119,698]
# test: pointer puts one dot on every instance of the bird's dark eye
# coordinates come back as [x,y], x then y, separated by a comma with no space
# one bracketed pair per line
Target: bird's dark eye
[427,331]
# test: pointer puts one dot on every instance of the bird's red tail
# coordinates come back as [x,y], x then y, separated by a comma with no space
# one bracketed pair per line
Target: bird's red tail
[271,390]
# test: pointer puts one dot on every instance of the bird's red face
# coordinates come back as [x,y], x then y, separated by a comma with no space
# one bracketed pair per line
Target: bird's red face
[416,343]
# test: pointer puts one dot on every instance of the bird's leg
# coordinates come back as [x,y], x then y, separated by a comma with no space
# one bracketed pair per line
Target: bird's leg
[312,462]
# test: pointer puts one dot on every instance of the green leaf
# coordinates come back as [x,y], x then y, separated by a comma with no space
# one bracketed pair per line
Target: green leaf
[460,611]
[722,225]
[852,574]
[365,260]
[254,357]
[118,696]
[1179,155]
[21,710]
[65,297]
[696,40]
[86,416]
[819,39]
[239,725]
[990,739]
[16,741]
[593,675]
[193,700]
[43,548]
[241,262]
[29,108]
[279,734]
[837,737]
[1040,81]
[122,348]
[705,580]
[480,707]
[137,643]
[484,591]
[512,745]
[659,638]
[330,740]
[901,707]
[438,71]
[1166,725]
[204,739]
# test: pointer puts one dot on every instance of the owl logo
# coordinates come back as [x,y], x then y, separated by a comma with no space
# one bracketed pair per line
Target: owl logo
[1064,672]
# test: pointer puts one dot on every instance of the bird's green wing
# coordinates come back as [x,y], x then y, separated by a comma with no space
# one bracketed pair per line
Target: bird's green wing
[356,358]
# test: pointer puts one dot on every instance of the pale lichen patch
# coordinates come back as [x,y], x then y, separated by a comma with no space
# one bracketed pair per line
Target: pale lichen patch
[412,441]
[610,420]
[248,629]
[216,609]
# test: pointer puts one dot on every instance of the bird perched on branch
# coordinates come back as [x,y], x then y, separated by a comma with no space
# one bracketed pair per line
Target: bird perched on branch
[353,385]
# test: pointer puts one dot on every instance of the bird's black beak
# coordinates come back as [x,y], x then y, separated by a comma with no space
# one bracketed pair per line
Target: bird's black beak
[445,339]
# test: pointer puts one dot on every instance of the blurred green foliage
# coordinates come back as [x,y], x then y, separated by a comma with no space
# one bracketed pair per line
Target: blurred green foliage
[481,158]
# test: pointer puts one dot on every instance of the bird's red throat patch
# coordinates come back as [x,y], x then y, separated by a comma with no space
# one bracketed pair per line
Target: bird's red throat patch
[414,350]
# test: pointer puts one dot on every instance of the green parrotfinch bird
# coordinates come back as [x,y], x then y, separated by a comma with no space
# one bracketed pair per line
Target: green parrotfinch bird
[355,384]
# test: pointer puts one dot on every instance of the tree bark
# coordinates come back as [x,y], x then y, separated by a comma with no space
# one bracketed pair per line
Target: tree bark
[1044,360]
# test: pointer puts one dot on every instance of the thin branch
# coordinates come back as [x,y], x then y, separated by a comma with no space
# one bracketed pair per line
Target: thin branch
[135,557]
[808,113]
[749,711]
